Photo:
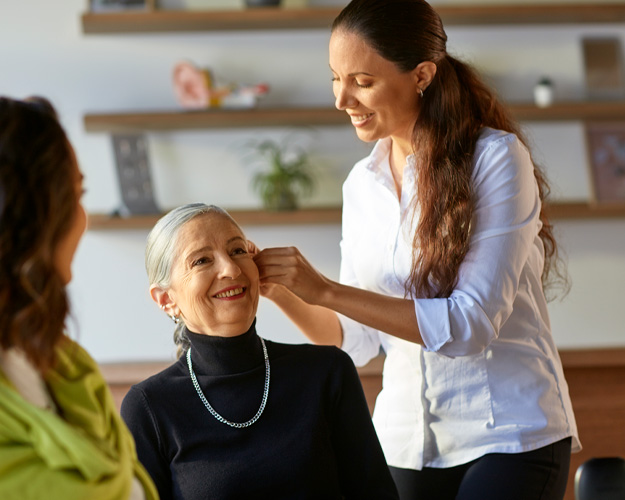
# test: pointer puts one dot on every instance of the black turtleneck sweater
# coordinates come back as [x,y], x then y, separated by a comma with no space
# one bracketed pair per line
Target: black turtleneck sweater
[315,439]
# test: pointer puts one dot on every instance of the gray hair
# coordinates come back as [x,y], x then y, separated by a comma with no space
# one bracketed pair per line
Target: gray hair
[161,252]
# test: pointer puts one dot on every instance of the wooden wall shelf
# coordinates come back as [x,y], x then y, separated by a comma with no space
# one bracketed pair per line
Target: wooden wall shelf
[214,118]
[311,116]
[572,110]
[325,215]
[321,18]
[581,210]
[332,215]
[208,20]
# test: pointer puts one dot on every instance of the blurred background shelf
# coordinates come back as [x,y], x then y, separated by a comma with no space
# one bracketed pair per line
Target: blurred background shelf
[322,17]
[214,118]
[311,116]
[332,215]
[572,110]
[582,210]
[325,215]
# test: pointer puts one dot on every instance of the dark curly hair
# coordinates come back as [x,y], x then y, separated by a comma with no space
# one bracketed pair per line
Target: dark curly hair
[37,206]
[457,105]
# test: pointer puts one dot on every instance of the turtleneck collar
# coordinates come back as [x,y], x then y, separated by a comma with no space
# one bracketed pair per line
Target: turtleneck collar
[213,355]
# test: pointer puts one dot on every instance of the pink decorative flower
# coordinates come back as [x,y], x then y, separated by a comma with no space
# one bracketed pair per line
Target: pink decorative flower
[192,85]
[195,88]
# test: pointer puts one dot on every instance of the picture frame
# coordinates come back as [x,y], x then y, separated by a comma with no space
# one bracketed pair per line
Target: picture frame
[134,175]
[603,68]
[606,159]
[118,5]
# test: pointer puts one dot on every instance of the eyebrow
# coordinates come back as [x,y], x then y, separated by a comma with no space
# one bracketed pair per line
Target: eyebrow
[355,73]
[208,247]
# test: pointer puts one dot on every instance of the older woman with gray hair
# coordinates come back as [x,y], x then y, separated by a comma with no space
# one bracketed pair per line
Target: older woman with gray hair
[239,416]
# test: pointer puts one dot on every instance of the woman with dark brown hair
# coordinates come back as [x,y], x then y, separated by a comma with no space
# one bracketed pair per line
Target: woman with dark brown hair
[60,434]
[446,255]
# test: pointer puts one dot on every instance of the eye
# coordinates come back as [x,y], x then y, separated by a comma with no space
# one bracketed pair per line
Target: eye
[239,251]
[364,85]
[200,261]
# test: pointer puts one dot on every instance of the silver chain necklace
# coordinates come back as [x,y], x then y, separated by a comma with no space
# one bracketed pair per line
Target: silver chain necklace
[212,411]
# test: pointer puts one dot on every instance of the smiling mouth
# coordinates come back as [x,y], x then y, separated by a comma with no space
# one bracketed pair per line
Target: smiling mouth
[358,119]
[230,293]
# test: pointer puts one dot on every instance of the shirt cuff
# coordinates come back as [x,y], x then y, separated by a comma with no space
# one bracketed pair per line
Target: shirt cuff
[433,320]
[358,342]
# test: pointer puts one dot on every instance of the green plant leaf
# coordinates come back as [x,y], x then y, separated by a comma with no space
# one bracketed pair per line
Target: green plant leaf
[287,178]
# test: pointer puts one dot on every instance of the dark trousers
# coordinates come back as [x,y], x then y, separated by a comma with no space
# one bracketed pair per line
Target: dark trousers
[534,475]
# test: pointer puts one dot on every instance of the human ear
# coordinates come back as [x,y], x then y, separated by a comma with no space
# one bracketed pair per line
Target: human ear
[252,249]
[164,300]
[423,75]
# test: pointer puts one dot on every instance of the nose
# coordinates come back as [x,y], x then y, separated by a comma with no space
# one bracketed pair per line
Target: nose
[228,268]
[344,98]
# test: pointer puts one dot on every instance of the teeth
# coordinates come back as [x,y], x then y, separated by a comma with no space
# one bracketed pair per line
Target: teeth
[360,118]
[229,293]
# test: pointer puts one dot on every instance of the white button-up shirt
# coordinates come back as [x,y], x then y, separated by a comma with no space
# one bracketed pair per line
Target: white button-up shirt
[489,378]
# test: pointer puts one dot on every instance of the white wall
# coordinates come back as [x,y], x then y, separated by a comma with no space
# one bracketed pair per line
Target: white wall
[43,51]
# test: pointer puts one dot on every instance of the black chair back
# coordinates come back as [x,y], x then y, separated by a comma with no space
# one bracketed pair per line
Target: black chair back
[601,478]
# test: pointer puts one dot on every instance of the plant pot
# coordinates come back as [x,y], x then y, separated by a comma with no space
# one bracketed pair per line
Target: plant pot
[262,3]
[281,201]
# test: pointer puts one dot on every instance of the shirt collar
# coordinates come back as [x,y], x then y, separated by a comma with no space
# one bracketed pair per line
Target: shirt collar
[378,164]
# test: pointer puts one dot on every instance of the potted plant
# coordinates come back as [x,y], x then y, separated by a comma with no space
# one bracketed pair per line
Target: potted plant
[287,178]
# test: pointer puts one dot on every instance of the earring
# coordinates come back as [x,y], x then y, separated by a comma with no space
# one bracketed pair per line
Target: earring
[175,319]
[421,93]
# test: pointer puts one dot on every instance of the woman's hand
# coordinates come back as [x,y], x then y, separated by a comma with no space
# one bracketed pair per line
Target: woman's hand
[270,291]
[299,289]
[288,268]
[287,279]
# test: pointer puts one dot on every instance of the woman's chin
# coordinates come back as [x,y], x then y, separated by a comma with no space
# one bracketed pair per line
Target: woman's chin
[366,135]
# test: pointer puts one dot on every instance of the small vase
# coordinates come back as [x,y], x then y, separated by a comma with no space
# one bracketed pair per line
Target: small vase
[262,3]
[543,93]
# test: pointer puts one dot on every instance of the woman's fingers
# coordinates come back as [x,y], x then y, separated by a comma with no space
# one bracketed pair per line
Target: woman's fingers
[286,266]
[273,262]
